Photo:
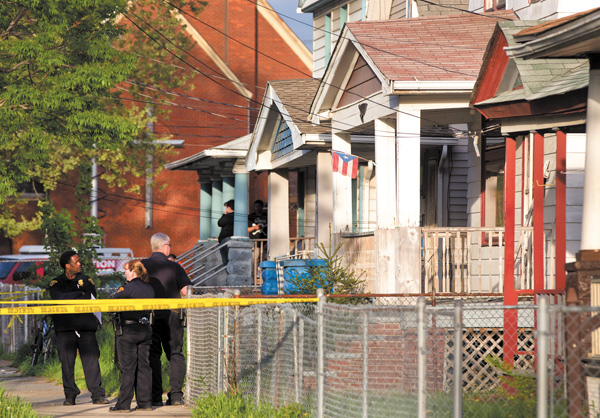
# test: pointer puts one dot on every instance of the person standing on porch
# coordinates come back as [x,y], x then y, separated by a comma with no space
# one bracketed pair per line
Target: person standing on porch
[226,224]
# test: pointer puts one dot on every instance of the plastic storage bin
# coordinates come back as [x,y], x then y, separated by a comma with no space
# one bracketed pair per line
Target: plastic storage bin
[269,278]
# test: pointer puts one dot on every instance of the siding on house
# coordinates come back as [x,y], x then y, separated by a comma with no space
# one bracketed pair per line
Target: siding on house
[458,185]
[398,9]
[575,166]
[354,14]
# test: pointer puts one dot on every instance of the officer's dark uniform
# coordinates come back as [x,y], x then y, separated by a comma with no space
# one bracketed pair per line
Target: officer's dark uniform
[77,332]
[133,347]
[167,278]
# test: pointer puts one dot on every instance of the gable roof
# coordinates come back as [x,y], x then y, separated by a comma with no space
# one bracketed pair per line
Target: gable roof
[286,101]
[536,78]
[436,48]
[411,55]
[238,148]
[296,97]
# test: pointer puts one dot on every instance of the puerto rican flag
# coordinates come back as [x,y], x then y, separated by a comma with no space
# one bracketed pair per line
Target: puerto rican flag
[345,163]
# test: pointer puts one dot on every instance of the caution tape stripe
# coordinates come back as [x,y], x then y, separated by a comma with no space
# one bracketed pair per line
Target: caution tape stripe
[120,305]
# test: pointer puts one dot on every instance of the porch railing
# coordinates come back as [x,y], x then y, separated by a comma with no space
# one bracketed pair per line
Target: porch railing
[299,248]
[472,259]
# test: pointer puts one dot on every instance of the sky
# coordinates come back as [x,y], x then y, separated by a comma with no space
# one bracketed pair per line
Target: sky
[287,11]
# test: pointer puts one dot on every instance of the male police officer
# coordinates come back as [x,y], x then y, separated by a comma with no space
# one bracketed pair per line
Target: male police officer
[169,280]
[77,331]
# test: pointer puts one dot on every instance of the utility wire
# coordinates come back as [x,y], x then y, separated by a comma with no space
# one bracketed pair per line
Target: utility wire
[253,100]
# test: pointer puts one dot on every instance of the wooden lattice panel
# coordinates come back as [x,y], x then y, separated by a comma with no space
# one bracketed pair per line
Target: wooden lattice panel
[479,343]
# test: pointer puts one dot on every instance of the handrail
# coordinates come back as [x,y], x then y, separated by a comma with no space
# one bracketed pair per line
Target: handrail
[209,274]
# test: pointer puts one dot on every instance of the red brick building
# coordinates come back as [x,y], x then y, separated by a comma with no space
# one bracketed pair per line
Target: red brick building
[239,46]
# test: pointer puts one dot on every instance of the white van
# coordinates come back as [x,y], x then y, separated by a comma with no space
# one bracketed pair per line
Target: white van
[109,260]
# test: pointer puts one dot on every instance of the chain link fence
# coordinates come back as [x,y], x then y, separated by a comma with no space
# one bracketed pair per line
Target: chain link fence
[445,358]
[17,329]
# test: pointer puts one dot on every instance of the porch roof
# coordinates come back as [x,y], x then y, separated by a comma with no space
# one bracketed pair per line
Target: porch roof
[437,48]
[285,102]
[533,79]
[232,150]
[571,36]
[438,54]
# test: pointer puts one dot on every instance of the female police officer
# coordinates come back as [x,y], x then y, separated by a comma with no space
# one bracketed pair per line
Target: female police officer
[133,344]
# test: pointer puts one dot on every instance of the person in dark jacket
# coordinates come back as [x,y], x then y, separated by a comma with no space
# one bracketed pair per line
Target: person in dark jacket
[77,331]
[226,224]
[169,280]
[133,344]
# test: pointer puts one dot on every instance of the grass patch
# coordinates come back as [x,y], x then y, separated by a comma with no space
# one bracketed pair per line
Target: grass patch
[15,407]
[111,377]
[235,405]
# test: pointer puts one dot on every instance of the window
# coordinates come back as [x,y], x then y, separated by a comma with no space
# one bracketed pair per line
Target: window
[283,143]
[492,199]
[494,5]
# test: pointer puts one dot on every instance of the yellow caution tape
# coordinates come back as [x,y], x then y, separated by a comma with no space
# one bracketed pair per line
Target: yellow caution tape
[118,305]
[22,292]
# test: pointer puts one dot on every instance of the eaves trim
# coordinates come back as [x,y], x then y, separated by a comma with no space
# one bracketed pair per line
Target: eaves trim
[205,46]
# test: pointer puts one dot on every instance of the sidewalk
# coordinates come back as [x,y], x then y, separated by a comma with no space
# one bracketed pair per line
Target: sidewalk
[47,398]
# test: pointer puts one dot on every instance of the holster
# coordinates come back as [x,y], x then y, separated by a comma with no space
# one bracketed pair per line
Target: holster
[183,317]
[117,324]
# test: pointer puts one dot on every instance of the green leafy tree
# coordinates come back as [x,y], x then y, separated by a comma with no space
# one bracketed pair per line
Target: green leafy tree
[63,67]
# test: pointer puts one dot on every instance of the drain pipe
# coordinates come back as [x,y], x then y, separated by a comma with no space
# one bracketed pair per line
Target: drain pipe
[440,188]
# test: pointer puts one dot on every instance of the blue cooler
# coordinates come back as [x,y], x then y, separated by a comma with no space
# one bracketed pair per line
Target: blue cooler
[269,278]
[295,268]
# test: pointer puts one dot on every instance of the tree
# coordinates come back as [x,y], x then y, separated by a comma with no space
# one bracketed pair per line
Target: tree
[63,67]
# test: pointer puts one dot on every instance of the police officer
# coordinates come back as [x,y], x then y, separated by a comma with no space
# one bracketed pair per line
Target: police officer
[134,337]
[169,280]
[77,331]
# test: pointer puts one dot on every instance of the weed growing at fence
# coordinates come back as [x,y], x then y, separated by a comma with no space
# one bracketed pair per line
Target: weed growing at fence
[235,405]
[15,407]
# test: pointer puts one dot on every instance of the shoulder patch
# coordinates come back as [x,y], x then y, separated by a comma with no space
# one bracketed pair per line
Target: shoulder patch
[53,282]
[90,280]
[120,289]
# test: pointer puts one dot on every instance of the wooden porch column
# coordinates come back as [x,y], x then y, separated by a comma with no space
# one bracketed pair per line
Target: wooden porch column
[538,212]
[561,209]
[216,208]
[310,203]
[205,209]
[342,188]
[385,234]
[408,205]
[510,293]
[278,214]
[324,197]
[590,222]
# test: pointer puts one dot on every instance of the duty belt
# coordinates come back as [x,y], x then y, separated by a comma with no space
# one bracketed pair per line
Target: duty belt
[143,321]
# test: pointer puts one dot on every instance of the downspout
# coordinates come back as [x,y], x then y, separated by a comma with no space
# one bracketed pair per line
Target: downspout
[440,189]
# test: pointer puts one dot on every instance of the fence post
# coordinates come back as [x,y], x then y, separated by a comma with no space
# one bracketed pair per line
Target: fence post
[219,350]
[188,350]
[365,364]
[259,352]
[458,357]
[542,356]
[296,366]
[421,359]
[236,347]
[320,353]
